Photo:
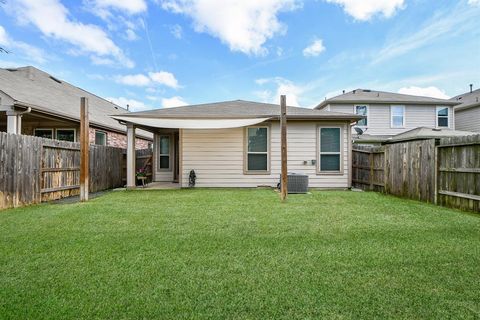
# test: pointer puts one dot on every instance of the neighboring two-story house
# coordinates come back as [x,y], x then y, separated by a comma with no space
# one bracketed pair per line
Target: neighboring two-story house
[467,113]
[388,114]
[33,102]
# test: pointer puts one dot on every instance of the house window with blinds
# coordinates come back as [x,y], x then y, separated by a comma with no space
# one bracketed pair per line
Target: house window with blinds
[164,153]
[330,150]
[257,150]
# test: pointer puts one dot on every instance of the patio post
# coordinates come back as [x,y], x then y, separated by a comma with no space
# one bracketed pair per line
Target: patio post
[130,156]
[13,123]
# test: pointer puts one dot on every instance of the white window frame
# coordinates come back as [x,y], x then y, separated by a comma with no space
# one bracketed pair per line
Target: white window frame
[165,154]
[51,130]
[438,108]
[106,138]
[246,153]
[391,116]
[320,153]
[368,113]
[74,133]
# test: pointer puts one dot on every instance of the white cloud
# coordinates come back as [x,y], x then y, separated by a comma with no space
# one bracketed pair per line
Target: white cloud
[134,105]
[21,49]
[53,20]
[432,92]
[164,78]
[130,35]
[177,31]
[365,9]
[173,102]
[314,49]
[444,24]
[244,26]
[140,80]
[281,87]
[125,6]
[474,2]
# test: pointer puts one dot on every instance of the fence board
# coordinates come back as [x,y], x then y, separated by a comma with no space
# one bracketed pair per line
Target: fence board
[445,171]
[33,169]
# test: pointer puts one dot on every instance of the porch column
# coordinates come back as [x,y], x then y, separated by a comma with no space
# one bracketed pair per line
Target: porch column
[130,156]
[14,122]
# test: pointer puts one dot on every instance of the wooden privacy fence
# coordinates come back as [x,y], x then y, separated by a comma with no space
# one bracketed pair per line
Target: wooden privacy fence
[444,171]
[33,169]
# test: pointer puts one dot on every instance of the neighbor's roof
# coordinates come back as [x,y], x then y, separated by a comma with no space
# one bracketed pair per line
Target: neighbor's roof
[31,87]
[240,109]
[371,96]
[422,133]
[467,100]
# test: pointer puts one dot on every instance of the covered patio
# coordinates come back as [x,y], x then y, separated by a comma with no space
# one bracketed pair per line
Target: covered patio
[167,148]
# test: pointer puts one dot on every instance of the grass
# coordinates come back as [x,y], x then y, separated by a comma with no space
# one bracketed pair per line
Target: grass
[239,254]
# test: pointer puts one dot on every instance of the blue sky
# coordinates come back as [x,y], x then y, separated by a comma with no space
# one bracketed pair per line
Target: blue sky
[165,53]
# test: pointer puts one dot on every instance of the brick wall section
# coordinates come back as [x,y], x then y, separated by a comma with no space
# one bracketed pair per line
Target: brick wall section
[118,140]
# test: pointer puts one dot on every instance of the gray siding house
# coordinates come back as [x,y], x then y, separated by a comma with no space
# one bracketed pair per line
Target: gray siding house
[388,114]
[467,113]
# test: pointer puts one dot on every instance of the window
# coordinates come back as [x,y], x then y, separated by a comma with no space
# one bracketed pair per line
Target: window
[442,117]
[257,149]
[164,153]
[100,138]
[362,110]
[66,134]
[44,133]
[330,150]
[398,116]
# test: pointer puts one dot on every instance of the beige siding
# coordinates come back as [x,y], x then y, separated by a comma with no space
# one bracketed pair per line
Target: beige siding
[468,119]
[217,156]
[379,122]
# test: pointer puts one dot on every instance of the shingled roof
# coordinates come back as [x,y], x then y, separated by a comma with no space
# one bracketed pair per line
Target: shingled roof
[467,100]
[240,109]
[372,96]
[31,87]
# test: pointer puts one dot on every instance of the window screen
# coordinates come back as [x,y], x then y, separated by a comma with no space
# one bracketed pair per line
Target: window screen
[100,138]
[330,149]
[257,149]
[66,134]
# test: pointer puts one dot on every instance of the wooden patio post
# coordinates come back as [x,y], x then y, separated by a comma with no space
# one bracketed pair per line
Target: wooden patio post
[84,149]
[283,137]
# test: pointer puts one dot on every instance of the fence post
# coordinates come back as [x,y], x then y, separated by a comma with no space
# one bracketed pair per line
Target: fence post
[370,159]
[283,134]
[436,175]
[84,149]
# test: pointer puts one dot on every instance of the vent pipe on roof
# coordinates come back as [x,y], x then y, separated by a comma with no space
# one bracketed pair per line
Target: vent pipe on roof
[471,87]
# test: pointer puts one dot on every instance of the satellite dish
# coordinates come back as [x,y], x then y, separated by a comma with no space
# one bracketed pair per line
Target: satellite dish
[358,130]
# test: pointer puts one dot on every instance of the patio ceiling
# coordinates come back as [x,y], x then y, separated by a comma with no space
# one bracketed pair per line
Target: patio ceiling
[191,123]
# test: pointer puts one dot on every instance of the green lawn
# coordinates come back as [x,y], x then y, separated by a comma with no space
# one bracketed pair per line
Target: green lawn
[239,254]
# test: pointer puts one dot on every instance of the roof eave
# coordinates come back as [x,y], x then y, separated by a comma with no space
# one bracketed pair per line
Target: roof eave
[70,118]
[370,101]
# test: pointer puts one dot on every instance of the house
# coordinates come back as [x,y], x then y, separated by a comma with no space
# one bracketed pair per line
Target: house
[237,144]
[32,102]
[467,113]
[388,114]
